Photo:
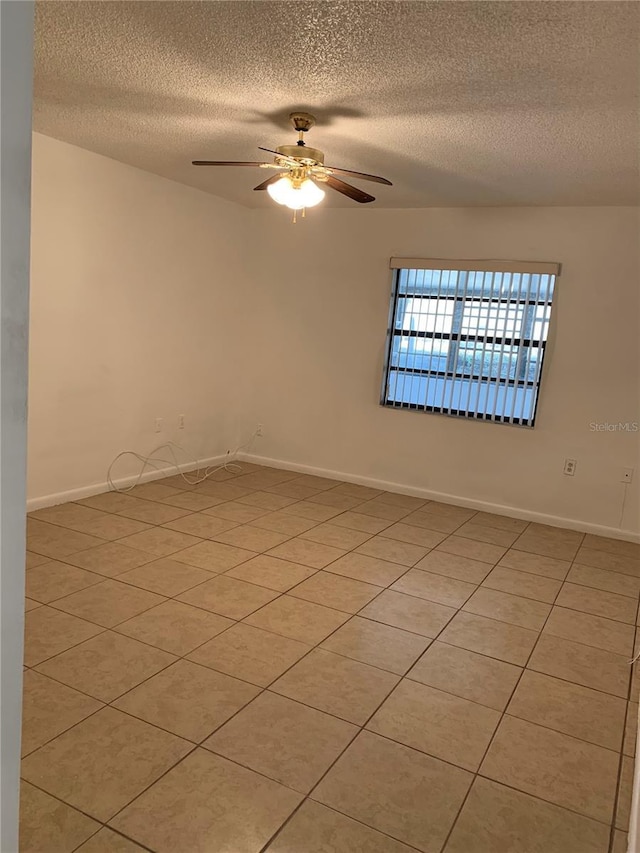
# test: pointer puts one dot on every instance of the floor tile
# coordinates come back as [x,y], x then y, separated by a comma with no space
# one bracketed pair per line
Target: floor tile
[48,540]
[313,511]
[454,566]
[501,522]
[29,604]
[415,800]
[523,584]
[536,564]
[355,490]
[271,572]
[610,562]
[267,501]
[240,513]
[336,500]
[482,551]
[561,769]
[368,569]
[284,522]
[54,580]
[165,577]
[110,559]
[298,619]
[359,521]
[73,516]
[605,580]
[250,653]
[192,501]
[252,538]
[153,491]
[414,534]
[345,688]
[160,541]
[213,556]
[500,640]
[441,522]
[376,644]
[108,841]
[467,674]
[115,527]
[433,587]
[484,533]
[152,512]
[612,546]
[284,740]
[227,492]
[293,489]
[625,792]
[49,632]
[229,597]
[598,602]
[409,613]
[34,560]
[108,603]
[631,730]
[508,608]
[316,829]
[336,536]
[335,591]
[188,700]
[102,763]
[49,708]
[201,525]
[379,509]
[620,842]
[312,554]
[438,723]
[549,541]
[590,630]
[322,483]
[110,501]
[208,805]
[106,666]
[591,667]
[393,550]
[444,510]
[175,627]
[49,826]
[570,708]
[495,819]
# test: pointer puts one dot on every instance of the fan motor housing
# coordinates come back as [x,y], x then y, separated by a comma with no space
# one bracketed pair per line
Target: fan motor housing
[302,153]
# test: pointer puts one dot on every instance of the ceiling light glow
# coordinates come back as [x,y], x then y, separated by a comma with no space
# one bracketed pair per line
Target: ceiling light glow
[306,194]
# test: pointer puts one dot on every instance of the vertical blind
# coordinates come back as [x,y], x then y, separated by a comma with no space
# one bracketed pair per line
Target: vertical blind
[467,338]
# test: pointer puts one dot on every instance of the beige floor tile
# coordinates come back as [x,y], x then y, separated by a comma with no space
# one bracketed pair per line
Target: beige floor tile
[154,491]
[501,522]
[359,521]
[48,540]
[536,564]
[484,533]
[454,566]
[201,525]
[591,667]
[153,512]
[49,708]
[49,632]
[393,550]
[160,541]
[612,546]
[250,653]
[625,792]
[115,527]
[355,490]
[409,613]
[415,800]
[620,842]
[229,597]
[227,492]
[54,580]
[337,536]
[500,640]
[109,501]
[110,559]
[102,763]
[570,708]
[598,602]
[340,686]
[213,556]
[379,509]
[284,522]
[208,805]
[175,627]
[336,591]
[165,577]
[414,535]
[315,482]
[482,551]
[108,603]
[73,516]
[252,538]
[316,829]
[467,674]
[33,560]
[523,584]
[590,630]
[191,501]
[377,644]
[294,489]
[434,587]
[283,740]
[188,700]
[610,562]
[108,841]
[336,499]
[496,819]
[508,608]
[49,826]
[271,572]
[438,723]
[441,522]
[313,511]
[29,604]
[368,569]
[106,666]
[549,541]
[406,501]
[312,554]
[298,619]
[553,766]
[631,730]
[605,580]
[267,501]
[460,513]
[240,513]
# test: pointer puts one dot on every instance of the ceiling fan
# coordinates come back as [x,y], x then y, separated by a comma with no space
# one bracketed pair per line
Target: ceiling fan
[301,172]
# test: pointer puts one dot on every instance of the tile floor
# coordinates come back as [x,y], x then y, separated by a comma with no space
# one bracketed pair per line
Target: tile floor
[283,663]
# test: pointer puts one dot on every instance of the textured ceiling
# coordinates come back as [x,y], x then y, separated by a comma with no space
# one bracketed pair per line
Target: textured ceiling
[457,103]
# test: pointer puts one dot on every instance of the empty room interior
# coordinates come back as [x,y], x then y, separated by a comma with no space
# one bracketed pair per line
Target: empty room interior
[333,505]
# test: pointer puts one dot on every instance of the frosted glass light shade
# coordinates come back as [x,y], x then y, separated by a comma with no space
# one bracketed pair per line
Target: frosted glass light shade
[307,194]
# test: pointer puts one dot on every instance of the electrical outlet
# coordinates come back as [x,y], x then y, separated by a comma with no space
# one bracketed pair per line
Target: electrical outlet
[158,425]
[627,475]
[259,429]
[570,467]
[180,421]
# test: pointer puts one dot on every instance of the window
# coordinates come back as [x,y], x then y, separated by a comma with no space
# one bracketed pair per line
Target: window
[467,338]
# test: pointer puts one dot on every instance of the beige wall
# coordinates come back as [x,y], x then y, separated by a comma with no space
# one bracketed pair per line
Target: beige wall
[134,286]
[321,305]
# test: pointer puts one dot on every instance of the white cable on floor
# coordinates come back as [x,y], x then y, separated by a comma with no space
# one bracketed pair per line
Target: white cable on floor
[151,460]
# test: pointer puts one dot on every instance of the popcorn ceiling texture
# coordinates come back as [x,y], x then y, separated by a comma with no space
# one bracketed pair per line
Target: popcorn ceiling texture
[458,103]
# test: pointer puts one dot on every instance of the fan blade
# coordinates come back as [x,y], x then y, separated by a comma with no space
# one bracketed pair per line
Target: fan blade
[225,163]
[362,175]
[289,160]
[346,189]
[270,180]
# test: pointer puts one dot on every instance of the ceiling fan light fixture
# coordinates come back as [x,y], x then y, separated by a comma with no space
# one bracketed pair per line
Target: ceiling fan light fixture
[306,194]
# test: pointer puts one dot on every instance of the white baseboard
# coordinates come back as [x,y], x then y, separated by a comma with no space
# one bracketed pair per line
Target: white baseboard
[123,483]
[457,500]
